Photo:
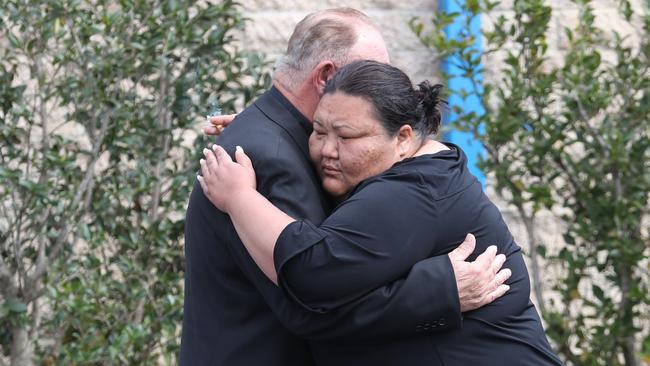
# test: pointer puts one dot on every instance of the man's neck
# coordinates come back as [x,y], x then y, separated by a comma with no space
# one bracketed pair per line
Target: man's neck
[301,99]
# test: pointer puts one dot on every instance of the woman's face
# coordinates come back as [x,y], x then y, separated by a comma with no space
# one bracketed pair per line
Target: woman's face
[349,144]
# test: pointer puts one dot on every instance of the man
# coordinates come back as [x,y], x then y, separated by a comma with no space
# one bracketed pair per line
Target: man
[233,314]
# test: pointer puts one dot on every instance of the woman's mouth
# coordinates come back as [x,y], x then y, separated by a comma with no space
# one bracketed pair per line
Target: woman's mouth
[329,170]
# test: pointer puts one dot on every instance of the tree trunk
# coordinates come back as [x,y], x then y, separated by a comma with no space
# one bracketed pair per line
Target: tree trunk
[629,351]
[529,224]
[21,347]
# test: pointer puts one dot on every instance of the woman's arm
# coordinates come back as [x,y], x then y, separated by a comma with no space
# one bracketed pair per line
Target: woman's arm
[393,310]
[230,186]
[373,238]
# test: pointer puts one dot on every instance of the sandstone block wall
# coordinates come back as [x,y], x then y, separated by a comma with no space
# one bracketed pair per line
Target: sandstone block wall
[272,21]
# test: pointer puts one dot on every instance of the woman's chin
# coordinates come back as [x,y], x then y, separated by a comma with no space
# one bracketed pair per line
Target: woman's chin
[335,188]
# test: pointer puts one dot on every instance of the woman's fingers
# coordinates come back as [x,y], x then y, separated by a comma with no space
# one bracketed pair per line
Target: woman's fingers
[242,158]
[221,154]
[204,186]
[211,161]
[222,178]
[216,159]
[205,171]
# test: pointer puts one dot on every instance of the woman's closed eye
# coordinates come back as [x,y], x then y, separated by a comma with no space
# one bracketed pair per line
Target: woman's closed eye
[319,135]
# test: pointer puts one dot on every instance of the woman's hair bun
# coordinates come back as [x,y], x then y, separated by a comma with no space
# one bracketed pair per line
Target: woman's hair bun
[430,106]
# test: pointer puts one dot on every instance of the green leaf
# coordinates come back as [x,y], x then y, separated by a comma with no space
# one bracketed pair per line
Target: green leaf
[15,306]
[598,293]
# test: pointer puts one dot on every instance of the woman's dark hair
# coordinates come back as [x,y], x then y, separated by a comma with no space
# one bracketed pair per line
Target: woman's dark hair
[391,93]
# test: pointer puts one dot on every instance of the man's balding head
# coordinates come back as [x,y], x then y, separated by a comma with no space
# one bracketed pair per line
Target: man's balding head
[339,35]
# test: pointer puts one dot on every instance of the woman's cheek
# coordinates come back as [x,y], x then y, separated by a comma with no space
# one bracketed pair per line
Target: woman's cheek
[364,163]
[315,146]
[351,165]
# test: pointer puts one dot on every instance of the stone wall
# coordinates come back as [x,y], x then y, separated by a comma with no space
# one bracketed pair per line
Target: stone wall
[272,21]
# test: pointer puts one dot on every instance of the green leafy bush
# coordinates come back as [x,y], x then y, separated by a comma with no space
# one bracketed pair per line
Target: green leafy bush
[569,134]
[99,102]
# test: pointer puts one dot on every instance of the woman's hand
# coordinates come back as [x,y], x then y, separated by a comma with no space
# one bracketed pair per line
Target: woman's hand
[217,124]
[222,179]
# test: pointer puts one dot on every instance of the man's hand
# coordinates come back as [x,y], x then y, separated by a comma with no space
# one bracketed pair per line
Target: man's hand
[479,282]
[217,124]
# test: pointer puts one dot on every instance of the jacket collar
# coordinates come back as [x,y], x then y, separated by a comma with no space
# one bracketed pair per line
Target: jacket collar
[278,109]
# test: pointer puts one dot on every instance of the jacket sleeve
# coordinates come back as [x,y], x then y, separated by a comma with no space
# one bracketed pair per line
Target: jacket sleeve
[423,299]
[374,237]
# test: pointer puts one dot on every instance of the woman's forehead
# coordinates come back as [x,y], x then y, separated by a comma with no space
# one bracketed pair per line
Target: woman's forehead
[339,108]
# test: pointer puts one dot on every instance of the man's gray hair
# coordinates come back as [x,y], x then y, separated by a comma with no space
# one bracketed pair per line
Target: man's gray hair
[323,35]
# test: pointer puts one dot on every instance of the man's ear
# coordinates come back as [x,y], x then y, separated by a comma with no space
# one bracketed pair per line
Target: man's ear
[405,139]
[324,71]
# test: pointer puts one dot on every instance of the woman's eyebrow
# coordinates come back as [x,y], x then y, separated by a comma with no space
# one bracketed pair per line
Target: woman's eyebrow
[340,125]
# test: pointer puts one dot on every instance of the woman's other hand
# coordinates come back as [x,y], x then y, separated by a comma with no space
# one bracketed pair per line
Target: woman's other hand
[217,124]
[223,179]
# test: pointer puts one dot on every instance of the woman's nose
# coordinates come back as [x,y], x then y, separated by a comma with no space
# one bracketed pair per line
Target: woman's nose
[330,148]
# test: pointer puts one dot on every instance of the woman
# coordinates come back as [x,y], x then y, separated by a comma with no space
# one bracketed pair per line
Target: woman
[404,197]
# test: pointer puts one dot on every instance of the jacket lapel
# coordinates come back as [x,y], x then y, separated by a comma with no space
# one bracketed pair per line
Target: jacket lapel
[273,108]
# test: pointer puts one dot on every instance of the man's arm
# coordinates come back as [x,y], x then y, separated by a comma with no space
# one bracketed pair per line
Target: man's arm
[426,300]
[418,303]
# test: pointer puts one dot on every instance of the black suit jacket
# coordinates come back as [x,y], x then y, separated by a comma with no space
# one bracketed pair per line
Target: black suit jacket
[233,315]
